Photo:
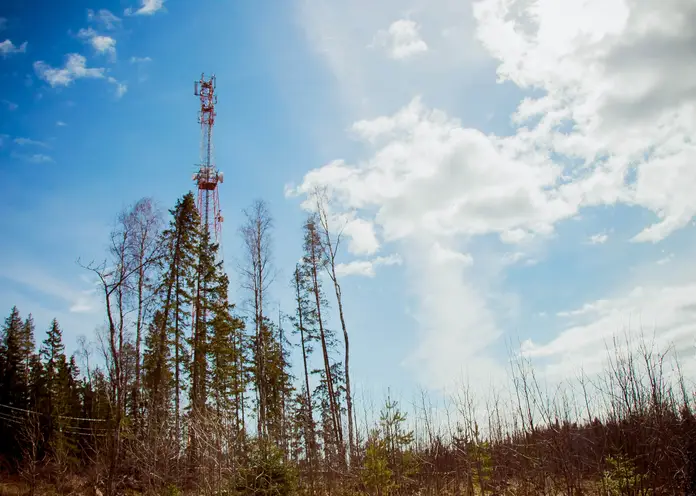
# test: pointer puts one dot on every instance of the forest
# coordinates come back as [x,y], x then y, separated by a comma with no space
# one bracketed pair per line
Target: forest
[184,392]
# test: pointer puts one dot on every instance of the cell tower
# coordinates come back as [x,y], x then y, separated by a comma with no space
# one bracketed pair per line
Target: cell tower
[208,177]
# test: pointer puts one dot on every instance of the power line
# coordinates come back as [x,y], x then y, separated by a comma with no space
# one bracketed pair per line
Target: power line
[46,415]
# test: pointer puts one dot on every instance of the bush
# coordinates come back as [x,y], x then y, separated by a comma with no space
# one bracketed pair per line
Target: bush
[266,474]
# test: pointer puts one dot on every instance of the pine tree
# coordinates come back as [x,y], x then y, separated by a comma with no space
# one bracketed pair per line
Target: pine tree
[313,260]
[304,323]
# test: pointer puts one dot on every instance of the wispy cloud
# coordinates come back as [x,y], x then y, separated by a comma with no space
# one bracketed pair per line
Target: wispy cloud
[77,300]
[139,60]
[121,87]
[8,48]
[75,68]
[60,123]
[598,239]
[665,260]
[104,17]
[35,158]
[147,7]
[366,268]
[100,43]
[10,105]
[402,40]
[29,142]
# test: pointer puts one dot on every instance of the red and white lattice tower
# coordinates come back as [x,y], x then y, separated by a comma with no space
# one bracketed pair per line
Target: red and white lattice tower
[207,178]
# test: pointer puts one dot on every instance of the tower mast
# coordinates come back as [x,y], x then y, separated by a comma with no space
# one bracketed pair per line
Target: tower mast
[208,177]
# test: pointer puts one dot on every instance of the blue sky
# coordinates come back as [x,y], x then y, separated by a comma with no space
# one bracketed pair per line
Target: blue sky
[496,171]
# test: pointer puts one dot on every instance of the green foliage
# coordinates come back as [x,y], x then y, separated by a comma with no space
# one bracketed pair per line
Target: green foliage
[376,474]
[621,479]
[172,490]
[266,474]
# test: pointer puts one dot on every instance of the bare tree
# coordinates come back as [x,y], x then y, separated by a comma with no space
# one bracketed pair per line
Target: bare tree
[330,241]
[257,275]
[143,248]
[116,282]
[32,439]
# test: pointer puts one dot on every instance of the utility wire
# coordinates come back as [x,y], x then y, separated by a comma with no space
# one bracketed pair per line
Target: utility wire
[58,416]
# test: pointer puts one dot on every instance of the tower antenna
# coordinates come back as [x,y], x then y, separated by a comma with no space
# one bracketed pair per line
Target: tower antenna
[208,177]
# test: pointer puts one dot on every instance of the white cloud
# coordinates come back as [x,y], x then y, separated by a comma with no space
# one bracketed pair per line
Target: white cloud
[121,87]
[8,48]
[104,17]
[402,40]
[75,68]
[363,240]
[622,77]
[138,60]
[342,33]
[515,236]
[147,7]
[365,268]
[445,255]
[76,300]
[613,123]
[100,43]
[60,123]
[430,175]
[666,260]
[428,182]
[598,239]
[665,311]
[35,158]
[29,142]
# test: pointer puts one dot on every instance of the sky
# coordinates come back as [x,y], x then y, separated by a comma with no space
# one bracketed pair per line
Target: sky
[514,177]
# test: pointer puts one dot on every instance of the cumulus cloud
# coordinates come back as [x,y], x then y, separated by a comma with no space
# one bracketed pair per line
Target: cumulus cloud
[75,68]
[611,122]
[100,43]
[365,268]
[430,180]
[147,7]
[402,40]
[363,240]
[104,17]
[9,48]
[622,77]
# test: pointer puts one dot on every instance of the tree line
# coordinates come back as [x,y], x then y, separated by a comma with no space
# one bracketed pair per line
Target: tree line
[188,394]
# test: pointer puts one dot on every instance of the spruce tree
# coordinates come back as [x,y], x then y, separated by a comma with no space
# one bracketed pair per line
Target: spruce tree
[181,242]
[56,382]
[14,382]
